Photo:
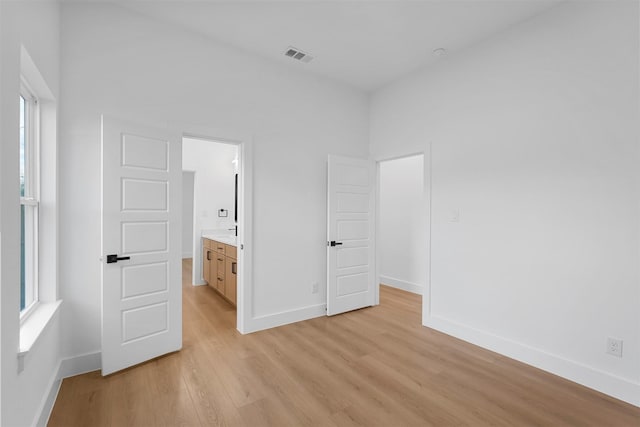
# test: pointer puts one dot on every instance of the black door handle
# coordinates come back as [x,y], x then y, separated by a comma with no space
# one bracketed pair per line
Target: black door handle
[334,243]
[115,258]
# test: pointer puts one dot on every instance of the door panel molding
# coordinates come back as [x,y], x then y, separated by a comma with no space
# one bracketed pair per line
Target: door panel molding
[351,222]
[140,224]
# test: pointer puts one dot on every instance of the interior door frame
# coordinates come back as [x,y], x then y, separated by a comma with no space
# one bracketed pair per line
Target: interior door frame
[426,209]
[193,223]
[244,142]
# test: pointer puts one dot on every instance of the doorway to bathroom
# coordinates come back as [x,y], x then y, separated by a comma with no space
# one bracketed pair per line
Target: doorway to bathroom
[211,173]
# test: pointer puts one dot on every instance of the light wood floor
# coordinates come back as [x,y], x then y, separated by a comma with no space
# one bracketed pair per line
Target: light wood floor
[371,367]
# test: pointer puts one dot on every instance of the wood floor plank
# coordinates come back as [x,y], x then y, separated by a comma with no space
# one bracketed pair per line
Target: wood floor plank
[372,367]
[304,406]
[307,368]
[268,411]
[212,401]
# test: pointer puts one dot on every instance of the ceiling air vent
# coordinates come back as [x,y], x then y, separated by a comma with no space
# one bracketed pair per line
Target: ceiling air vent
[295,53]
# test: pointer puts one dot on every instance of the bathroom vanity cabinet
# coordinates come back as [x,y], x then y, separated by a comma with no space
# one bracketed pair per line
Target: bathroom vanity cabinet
[220,267]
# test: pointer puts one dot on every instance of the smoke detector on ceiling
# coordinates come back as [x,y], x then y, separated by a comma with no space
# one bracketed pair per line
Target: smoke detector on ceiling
[295,53]
[439,52]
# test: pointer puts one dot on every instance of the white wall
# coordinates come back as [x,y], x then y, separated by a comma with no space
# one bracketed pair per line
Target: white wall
[534,138]
[214,189]
[23,394]
[120,63]
[188,179]
[401,243]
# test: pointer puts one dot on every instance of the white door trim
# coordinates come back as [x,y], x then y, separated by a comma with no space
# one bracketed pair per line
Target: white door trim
[191,248]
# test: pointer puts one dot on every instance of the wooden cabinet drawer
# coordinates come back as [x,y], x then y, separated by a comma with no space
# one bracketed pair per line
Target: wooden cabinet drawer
[206,264]
[219,266]
[220,270]
[232,251]
[209,244]
[220,285]
[230,291]
[219,247]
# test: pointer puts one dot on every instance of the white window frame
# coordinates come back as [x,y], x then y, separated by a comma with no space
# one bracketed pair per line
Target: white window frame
[34,321]
[31,198]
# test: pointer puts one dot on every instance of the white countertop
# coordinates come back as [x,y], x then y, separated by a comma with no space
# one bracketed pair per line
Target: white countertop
[227,240]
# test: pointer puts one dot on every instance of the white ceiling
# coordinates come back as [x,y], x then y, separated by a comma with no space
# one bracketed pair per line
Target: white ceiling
[366,44]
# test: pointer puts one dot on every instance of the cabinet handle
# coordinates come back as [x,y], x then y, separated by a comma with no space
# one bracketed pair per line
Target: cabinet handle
[220,248]
[208,255]
[219,279]
[234,267]
[220,259]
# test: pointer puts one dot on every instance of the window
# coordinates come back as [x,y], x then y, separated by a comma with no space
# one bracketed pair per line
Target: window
[29,199]
[36,149]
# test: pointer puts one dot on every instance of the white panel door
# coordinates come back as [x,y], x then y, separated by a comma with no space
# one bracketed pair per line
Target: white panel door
[350,234]
[141,270]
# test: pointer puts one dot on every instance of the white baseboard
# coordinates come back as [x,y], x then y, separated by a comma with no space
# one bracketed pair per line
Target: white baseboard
[81,364]
[606,383]
[401,284]
[46,406]
[68,367]
[268,321]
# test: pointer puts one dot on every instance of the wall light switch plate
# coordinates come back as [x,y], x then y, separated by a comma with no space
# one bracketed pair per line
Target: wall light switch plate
[454,215]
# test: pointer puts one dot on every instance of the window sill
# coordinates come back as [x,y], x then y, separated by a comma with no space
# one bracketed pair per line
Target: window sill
[33,327]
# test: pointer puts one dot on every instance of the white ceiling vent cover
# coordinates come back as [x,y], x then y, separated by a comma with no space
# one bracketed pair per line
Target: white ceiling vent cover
[295,53]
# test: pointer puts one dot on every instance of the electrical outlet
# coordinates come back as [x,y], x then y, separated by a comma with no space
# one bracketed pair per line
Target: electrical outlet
[455,215]
[314,288]
[614,347]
